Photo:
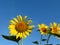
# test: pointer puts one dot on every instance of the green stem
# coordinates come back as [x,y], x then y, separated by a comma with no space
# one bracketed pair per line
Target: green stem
[18,43]
[41,40]
[22,41]
[48,38]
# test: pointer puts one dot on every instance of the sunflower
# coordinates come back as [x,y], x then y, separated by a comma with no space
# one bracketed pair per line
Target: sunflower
[43,28]
[20,27]
[55,28]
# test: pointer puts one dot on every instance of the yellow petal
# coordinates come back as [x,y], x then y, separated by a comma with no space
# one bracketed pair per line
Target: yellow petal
[13,22]
[51,25]
[27,33]
[24,35]
[55,24]
[46,26]
[58,25]
[42,25]
[31,27]
[29,30]
[11,26]
[13,32]
[29,21]
[42,33]
[21,35]
[39,25]
[17,35]
[58,28]
[20,18]
[15,19]
[25,17]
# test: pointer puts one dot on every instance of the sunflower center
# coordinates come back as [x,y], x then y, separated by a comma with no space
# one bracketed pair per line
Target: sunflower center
[21,27]
[54,29]
[44,30]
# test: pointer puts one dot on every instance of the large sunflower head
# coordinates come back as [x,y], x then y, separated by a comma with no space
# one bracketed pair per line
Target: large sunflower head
[55,28]
[20,27]
[43,28]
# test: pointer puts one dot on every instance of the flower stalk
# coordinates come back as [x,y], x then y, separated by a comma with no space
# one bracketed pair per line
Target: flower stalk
[48,38]
[41,40]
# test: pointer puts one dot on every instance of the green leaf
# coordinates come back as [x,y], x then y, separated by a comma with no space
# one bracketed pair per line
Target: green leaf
[12,38]
[57,35]
[43,39]
[35,42]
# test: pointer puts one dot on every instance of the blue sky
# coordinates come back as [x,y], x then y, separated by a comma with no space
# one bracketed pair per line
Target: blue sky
[40,11]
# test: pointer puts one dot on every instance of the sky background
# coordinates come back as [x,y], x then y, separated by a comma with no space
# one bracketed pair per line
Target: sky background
[40,11]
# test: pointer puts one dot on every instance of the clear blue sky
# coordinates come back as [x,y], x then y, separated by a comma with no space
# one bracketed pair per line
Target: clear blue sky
[40,11]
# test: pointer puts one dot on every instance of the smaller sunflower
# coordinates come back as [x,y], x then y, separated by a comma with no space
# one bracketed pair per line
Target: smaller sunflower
[55,28]
[43,28]
[20,27]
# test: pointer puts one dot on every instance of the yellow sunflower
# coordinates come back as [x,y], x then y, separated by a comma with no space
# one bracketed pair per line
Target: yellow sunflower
[43,28]
[55,27]
[20,27]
